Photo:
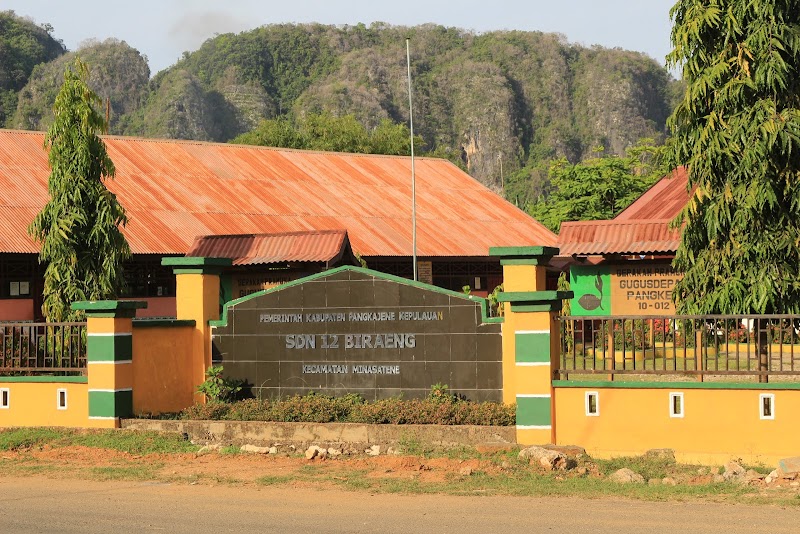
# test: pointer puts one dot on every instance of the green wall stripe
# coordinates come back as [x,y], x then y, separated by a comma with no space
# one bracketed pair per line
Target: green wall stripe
[532,347]
[530,308]
[533,251]
[670,385]
[533,411]
[48,379]
[111,403]
[100,348]
[541,260]
[482,302]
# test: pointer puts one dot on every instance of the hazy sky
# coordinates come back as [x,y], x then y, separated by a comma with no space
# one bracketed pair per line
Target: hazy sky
[163,29]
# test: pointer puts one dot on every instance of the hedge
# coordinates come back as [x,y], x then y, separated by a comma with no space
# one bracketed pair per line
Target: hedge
[437,409]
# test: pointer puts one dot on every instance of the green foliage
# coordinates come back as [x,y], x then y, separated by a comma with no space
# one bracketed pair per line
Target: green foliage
[134,442]
[78,228]
[278,132]
[520,98]
[17,439]
[737,130]
[23,45]
[118,73]
[650,467]
[441,393]
[598,188]
[494,301]
[445,409]
[218,388]
[327,132]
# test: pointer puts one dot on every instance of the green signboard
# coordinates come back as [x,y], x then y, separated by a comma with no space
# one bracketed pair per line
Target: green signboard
[592,287]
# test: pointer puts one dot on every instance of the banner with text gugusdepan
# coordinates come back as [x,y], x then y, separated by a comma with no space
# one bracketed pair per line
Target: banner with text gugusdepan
[623,289]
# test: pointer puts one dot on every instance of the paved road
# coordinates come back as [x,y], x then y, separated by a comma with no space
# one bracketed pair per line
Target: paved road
[42,505]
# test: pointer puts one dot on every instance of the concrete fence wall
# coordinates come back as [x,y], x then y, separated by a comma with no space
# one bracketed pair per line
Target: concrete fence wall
[713,424]
[162,356]
[153,367]
[44,401]
[703,422]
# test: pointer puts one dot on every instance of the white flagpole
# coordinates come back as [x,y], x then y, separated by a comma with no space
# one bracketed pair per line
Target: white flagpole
[413,174]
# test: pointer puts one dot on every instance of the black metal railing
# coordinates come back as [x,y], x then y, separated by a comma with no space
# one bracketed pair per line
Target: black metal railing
[42,348]
[699,345]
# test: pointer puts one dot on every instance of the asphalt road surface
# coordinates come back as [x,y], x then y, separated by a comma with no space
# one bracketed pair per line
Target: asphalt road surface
[43,505]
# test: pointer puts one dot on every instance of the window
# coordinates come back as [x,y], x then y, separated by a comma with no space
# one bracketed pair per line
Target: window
[4,398]
[592,404]
[676,404]
[766,403]
[19,289]
[61,399]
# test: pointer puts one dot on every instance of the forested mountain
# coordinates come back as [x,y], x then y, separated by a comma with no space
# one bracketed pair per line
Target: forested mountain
[23,45]
[516,99]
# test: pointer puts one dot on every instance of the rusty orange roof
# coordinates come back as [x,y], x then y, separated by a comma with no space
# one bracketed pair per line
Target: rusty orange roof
[584,238]
[255,249]
[175,191]
[664,200]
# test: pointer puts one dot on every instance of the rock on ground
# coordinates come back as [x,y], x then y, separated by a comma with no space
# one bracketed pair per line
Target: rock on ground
[549,459]
[734,472]
[315,452]
[254,449]
[626,476]
[790,465]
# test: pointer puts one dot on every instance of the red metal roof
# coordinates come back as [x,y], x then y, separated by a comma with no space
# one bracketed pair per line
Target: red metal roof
[255,249]
[664,200]
[585,238]
[175,191]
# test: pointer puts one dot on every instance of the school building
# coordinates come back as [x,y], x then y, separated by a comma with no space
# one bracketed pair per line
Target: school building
[278,214]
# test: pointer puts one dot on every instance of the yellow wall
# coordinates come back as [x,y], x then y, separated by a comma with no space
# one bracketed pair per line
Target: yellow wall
[34,404]
[718,424]
[162,363]
[198,300]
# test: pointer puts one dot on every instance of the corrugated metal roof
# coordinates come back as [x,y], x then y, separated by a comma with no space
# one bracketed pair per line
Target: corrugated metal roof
[255,249]
[585,238]
[175,191]
[664,200]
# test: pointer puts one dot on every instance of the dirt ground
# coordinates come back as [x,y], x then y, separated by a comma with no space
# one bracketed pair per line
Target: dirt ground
[243,467]
[294,470]
[86,489]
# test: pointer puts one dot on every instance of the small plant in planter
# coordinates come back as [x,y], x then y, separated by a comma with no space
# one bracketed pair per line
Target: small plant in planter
[218,388]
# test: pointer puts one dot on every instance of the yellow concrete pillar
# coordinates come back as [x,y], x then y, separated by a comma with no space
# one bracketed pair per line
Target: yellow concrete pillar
[197,296]
[531,334]
[109,356]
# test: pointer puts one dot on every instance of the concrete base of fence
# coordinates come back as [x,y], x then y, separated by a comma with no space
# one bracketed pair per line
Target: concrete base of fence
[304,434]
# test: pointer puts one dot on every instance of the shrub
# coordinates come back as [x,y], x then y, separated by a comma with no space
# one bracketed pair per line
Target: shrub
[317,408]
[218,388]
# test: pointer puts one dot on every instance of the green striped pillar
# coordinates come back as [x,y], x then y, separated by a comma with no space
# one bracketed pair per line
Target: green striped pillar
[109,354]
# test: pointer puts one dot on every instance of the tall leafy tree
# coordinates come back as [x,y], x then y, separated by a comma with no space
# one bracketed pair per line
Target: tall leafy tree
[737,129]
[598,188]
[78,228]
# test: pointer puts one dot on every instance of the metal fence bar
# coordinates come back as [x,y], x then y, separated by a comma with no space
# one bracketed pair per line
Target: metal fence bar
[39,348]
[757,345]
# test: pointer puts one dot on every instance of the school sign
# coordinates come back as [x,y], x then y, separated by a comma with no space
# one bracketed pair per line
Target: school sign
[352,330]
